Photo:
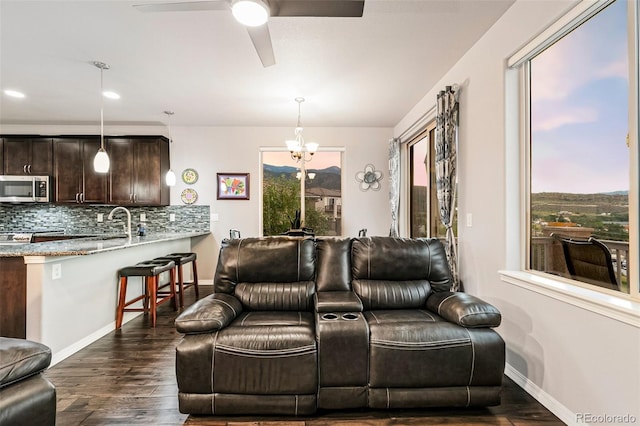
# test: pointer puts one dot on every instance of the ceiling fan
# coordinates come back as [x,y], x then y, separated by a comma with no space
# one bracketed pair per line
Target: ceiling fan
[254,14]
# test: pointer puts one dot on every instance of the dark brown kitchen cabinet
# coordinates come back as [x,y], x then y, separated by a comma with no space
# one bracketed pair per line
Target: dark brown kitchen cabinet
[138,167]
[75,180]
[28,156]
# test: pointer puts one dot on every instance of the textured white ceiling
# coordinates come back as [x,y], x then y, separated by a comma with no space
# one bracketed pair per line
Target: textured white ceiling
[354,72]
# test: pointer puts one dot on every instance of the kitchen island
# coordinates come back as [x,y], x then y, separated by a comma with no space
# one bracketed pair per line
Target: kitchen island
[64,293]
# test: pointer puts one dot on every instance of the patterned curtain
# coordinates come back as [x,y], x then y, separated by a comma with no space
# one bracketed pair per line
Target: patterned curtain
[446,165]
[394,185]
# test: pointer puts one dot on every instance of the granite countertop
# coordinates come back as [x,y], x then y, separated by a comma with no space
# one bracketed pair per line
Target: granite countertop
[90,244]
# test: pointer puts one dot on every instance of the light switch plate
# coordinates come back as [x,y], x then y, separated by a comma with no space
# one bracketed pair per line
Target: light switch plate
[143,217]
[469,220]
[215,217]
[172,217]
[100,217]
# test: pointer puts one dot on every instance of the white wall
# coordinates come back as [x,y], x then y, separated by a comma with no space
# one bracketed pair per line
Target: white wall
[574,360]
[211,150]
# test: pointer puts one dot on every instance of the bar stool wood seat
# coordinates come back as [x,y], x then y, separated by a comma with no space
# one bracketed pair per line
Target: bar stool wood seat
[181,259]
[152,297]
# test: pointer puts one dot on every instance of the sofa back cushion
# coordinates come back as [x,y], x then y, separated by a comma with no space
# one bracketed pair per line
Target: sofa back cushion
[294,296]
[376,294]
[282,269]
[334,264]
[401,259]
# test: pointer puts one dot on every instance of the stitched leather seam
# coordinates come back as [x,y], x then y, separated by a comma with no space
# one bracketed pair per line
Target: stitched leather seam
[431,343]
[304,350]
[374,317]
[416,348]
[238,263]
[296,411]
[213,361]
[473,358]
[444,300]
[229,305]
[388,399]
[428,263]
[468,396]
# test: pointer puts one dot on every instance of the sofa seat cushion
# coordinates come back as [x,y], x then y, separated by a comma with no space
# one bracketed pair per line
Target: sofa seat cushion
[20,359]
[417,348]
[274,318]
[267,353]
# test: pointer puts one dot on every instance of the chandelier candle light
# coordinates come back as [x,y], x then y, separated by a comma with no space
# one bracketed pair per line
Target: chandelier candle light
[298,149]
[170,178]
[101,160]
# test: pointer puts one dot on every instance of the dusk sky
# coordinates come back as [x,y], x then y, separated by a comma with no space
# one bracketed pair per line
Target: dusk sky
[321,159]
[579,109]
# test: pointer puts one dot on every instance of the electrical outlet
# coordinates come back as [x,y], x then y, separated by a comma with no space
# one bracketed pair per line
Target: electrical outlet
[143,217]
[56,271]
[172,217]
[215,217]
[100,217]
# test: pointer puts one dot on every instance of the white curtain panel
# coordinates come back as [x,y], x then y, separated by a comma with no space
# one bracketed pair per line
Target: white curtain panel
[446,169]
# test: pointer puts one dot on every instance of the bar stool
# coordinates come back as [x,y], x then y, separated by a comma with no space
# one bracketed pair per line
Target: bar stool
[150,270]
[181,259]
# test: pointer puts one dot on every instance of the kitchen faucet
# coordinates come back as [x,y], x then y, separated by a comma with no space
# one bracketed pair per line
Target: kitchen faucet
[128,228]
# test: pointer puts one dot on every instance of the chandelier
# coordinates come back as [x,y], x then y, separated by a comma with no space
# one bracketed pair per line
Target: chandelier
[298,147]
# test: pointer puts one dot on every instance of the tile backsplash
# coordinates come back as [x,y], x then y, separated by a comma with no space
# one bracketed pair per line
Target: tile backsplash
[83,219]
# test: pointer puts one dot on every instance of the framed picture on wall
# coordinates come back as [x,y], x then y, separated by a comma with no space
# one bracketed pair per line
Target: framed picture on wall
[233,186]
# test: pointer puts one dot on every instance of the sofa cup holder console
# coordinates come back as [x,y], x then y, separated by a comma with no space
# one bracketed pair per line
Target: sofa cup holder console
[348,316]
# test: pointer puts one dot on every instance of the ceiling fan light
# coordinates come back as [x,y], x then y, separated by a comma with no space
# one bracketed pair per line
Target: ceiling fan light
[251,13]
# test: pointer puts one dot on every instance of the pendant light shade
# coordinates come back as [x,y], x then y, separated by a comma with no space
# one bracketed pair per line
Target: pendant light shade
[101,160]
[170,177]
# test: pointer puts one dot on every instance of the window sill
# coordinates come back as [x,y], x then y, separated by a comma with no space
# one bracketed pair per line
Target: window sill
[617,308]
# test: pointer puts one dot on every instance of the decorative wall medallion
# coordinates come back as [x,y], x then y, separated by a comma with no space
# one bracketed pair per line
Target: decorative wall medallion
[369,178]
[189,176]
[189,196]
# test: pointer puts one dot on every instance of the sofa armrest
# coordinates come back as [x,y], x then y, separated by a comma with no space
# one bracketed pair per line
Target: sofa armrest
[209,314]
[464,309]
[337,301]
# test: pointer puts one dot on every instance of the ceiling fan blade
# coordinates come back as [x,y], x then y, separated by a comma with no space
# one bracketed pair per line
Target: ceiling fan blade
[184,6]
[262,42]
[328,8]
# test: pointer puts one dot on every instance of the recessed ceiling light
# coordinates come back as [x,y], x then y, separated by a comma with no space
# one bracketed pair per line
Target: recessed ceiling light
[110,95]
[14,93]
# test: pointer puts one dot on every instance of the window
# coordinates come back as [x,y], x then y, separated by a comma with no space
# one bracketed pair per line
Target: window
[424,216]
[579,154]
[281,187]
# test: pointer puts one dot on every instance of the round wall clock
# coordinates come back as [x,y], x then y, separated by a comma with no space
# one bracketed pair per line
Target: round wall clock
[189,176]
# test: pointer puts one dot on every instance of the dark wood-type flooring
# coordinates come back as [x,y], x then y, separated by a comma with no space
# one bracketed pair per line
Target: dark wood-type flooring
[128,377]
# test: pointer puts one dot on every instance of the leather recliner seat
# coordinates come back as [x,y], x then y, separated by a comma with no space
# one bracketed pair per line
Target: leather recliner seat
[298,324]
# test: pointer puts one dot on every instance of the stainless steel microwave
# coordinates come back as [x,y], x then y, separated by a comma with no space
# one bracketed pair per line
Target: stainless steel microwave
[25,189]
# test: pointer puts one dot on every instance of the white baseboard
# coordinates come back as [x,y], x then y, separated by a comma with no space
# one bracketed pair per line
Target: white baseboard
[552,404]
[72,349]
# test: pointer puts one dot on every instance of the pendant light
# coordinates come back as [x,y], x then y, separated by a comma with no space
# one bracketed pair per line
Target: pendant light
[101,160]
[170,178]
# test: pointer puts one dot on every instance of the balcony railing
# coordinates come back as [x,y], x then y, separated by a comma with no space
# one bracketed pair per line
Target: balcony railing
[547,256]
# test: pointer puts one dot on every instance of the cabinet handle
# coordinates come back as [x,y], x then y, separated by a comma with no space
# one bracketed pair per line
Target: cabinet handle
[135,198]
[77,197]
[24,169]
[82,197]
[29,168]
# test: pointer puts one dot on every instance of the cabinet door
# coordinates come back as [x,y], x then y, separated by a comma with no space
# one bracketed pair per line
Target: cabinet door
[2,156]
[146,166]
[94,185]
[67,170]
[17,153]
[41,160]
[120,152]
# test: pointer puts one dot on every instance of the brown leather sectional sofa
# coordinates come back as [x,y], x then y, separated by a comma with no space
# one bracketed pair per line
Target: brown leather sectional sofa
[300,324]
